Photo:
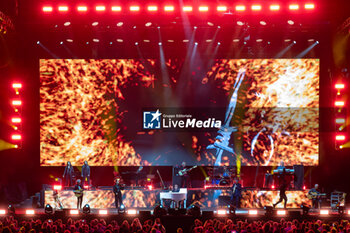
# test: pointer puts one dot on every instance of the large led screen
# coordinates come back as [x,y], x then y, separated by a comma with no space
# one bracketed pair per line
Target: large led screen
[130,112]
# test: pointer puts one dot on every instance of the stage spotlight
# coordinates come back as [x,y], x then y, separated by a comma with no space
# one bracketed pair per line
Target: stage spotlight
[195,43]
[150,186]
[324,212]
[294,42]
[134,8]
[74,212]
[86,209]
[57,187]
[305,209]
[309,6]
[341,210]
[259,40]
[348,212]
[158,27]
[275,7]
[16,137]
[152,8]
[148,24]
[48,209]
[290,22]
[16,102]
[30,212]
[256,7]
[221,212]
[194,210]
[82,8]
[253,212]
[339,86]
[235,40]
[69,40]
[120,40]
[340,137]
[61,42]
[159,211]
[240,8]
[136,43]
[203,8]
[2,212]
[103,212]
[16,120]
[38,42]
[116,8]
[63,8]
[66,23]
[221,8]
[268,210]
[121,209]
[219,43]
[195,27]
[231,210]
[171,41]
[187,8]
[132,212]
[317,42]
[293,7]
[281,213]
[100,8]
[240,23]
[263,23]
[94,24]
[96,40]
[11,209]
[169,8]
[47,9]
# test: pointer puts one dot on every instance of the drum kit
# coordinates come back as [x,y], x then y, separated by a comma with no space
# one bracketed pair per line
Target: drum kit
[220,176]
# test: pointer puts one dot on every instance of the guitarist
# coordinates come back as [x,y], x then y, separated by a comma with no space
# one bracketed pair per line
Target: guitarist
[184,178]
[315,197]
[78,191]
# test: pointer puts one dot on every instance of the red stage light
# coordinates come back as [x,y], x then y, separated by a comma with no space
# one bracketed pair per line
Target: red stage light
[47,9]
[275,7]
[253,212]
[339,103]
[340,120]
[116,8]
[187,8]
[240,8]
[309,6]
[16,137]
[203,8]
[324,212]
[134,8]
[339,86]
[30,212]
[86,186]
[293,7]
[63,8]
[221,212]
[169,8]
[103,212]
[152,8]
[340,137]
[74,212]
[221,8]
[150,187]
[131,212]
[256,7]
[17,85]
[57,187]
[304,187]
[82,8]
[2,212]
[16,102]
[100,8]
[281,212]
[16,120]
[273,186]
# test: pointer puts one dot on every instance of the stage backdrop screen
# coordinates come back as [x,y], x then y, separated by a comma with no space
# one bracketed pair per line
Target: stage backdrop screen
[130,112]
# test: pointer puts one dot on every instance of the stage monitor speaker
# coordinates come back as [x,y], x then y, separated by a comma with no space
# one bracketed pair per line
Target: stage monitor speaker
[298,176]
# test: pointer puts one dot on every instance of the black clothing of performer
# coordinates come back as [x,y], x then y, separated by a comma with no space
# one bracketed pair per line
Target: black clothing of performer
[79,187]
[117,190]
[68,175]
[236,194]
[85,174]
[283,195]
[316,200]
[184,180]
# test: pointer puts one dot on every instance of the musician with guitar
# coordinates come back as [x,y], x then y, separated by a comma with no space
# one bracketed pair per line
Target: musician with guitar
[182,172]
[315,196]
[78,192]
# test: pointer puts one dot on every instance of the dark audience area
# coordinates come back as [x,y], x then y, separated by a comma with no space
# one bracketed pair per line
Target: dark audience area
[11,224]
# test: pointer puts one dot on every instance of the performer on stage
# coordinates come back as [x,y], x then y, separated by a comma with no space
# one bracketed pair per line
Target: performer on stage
[78,191]
[283,188]
[281,166]
[117,190]
[68,174]
[184,177]
[236,193]
[85,173]
[315,197]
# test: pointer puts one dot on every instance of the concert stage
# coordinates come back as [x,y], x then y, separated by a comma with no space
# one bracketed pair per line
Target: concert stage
[147,199]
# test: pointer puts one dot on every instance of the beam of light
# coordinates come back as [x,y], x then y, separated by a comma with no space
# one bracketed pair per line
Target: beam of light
[306,51]
[47,9]
[283,51]
[324,212]
[63,8]
[48,51]
[74,212]
[116,8]
[253,212]
[221,212]
[6,145]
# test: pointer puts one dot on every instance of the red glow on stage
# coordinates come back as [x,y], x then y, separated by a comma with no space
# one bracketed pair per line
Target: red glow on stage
[30,212]
[82,8]
[203,8]
[134,8]
[152,8]
[281,212]
[57,187]
[253,212]
[116,8]
[309,6]
[273,186]
[169,8]
[100,8]
[103,212]
[256,7]
[324,212]
[304,187]
[74,212]
[339,103]
[221,212]
[340,137]
[16,102]
[150,187]
[339,86]
[63,8]
[16,120]
[16,137]
[205,187]
[86,186]
[293,7]
[17,85]
[221,8]
[2,212]
[340,120]
[240,8]
[47,9]
[187,8]
[275,7]
[131,212]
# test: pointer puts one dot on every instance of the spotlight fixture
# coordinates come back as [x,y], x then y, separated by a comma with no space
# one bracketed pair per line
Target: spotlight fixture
[121,209]
[305,209]
[195,43]
[103,212]
[136,43]
[67,23]
[86,209]
[231,210]
[11,209]
[48,209]
[150,188]
[30,212]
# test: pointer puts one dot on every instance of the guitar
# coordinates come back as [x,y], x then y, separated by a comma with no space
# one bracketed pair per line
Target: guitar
[185,171]
[78,192]
[314,195]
